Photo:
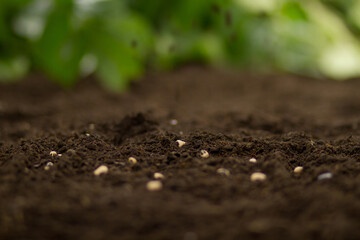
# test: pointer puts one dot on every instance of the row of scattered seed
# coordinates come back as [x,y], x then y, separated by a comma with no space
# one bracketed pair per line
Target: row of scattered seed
[156,185]
[256,176]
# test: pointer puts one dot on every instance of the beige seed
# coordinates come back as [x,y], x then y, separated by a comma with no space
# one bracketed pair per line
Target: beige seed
[53,153]
[252,160]
[101,170]
[173,122]
[180,143]
[48,165]
[132,160]
[59,155]
[298,169]
[223,171]
[158,175]
[154,185]
[87,134]
[204,154]
[257,176]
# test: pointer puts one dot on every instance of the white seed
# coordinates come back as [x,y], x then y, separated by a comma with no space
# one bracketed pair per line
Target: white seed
[53,153]
[298,169]
[59,155]
[173,122]
[87,134]
[223,171]
[325,176]
[257,176]
[158,175]
[48,165]
[132,160]
[180,143]
[252,160]
[204,154]
[101,170]
[154,185]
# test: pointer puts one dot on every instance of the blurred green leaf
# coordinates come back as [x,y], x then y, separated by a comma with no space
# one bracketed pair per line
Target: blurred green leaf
[294,11]
[60,49]
[13,69]
[117,62]
[135,32]
[118,40]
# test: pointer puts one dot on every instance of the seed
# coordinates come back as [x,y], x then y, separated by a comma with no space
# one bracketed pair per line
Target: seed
[132,160]
[101,170]
[173,122]
[298,169]
[48,165]
[324,176]
[158,175]
[257,176]
[154,185]
[59,155]
[252,160]
[204,154]
[53,153]
[180,143]
[87,134]
[223,171]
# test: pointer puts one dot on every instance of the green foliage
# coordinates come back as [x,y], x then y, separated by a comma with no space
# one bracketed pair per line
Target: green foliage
[119,40]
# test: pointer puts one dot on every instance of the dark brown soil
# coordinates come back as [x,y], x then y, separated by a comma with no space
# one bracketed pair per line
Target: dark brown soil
[282,121]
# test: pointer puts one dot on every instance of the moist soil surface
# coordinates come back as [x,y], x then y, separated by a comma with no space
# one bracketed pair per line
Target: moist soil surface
[283,121]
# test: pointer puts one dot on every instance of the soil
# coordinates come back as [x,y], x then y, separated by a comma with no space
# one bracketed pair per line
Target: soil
[283,121]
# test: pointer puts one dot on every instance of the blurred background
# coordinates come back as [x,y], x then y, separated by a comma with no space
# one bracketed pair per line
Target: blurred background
[119,40]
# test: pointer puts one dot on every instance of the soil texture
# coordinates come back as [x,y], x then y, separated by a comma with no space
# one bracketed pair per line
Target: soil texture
[283,121]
